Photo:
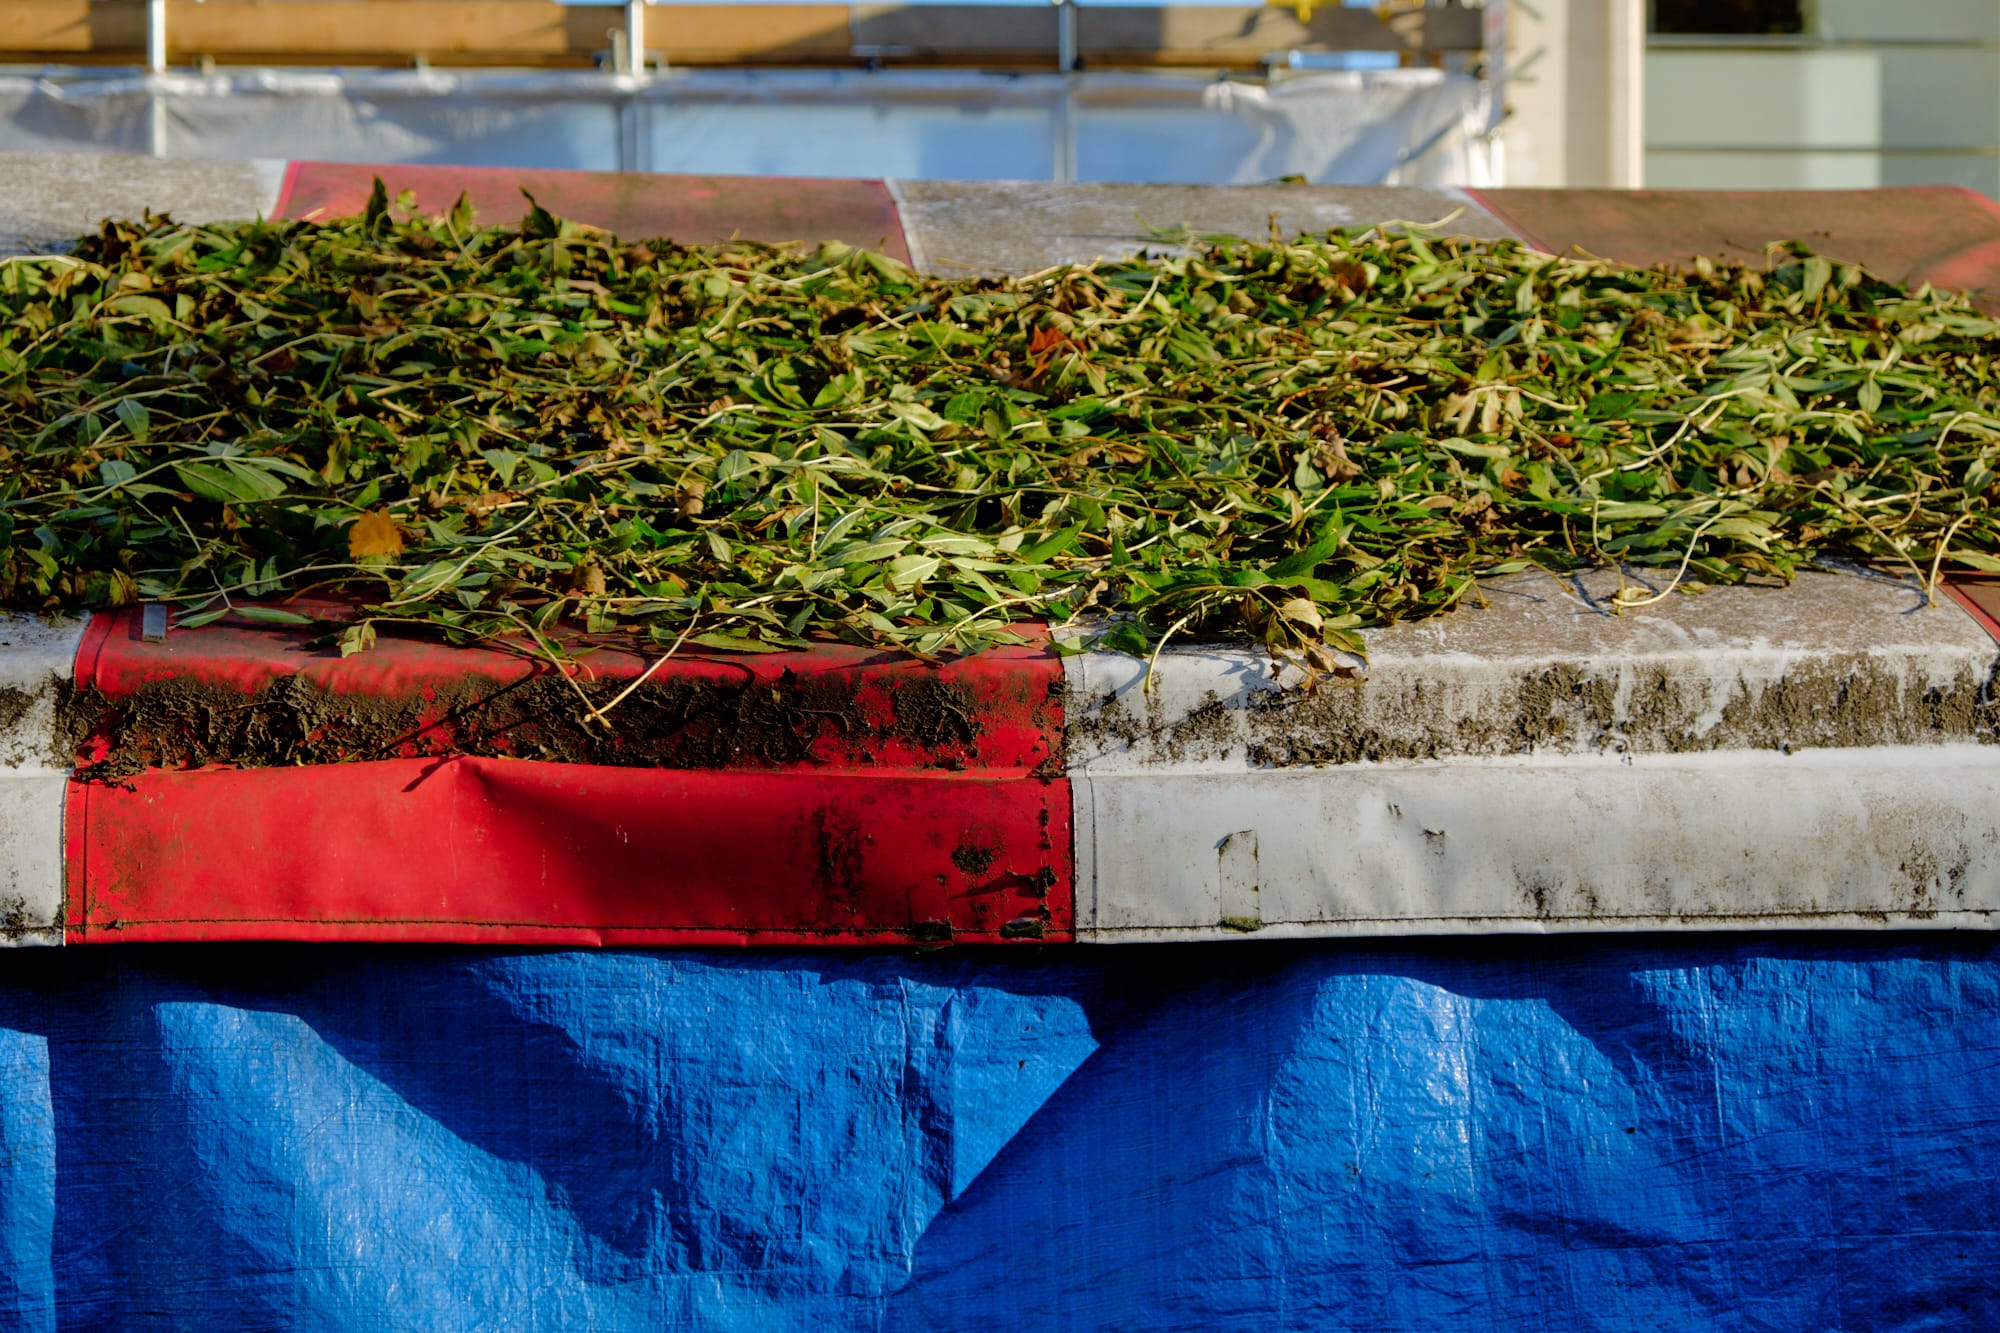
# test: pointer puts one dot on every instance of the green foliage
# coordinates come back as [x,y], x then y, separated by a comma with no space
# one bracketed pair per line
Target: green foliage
[742,446]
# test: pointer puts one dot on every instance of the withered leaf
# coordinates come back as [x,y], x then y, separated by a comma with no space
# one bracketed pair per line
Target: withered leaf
[374,534]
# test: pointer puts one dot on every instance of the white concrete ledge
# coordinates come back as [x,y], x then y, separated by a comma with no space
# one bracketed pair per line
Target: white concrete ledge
[1012,227]
[36,659]
[1821,754]
[1540,664]
[1904,835]
[50,199]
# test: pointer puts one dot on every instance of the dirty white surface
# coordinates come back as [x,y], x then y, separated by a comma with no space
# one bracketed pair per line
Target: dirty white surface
[1868,837]
[36,657]
[1543,666]
[47,200]
[956,228]
[1815,755]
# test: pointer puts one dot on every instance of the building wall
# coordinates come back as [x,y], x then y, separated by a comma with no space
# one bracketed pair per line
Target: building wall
[1873,93]
[1572,93]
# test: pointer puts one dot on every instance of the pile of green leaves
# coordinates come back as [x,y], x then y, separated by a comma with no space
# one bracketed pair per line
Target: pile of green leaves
[503,431]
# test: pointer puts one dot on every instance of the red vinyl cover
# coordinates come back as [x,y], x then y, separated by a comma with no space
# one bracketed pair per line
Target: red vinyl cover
[472,850]
[688,209]
[245,781]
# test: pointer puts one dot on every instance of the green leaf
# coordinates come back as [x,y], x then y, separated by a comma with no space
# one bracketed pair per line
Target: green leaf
[1869,396]
[1125,636]
[196,619]
[916,414]
[733,643]
[1818,272]
[152,308]
[1331,535]
[539,224]
[209,481]
[375,216]
[359,638]
[138,421]
[231,480]
[1048,549]
[271,615]
[503,462]
[1474,449]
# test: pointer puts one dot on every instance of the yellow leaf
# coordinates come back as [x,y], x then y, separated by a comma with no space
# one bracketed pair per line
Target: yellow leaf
[1300,610]
[374,533]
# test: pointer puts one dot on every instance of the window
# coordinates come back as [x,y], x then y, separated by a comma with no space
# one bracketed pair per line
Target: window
[1732,17]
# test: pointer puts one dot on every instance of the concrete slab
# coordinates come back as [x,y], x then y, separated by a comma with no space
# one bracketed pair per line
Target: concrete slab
[1821,754]
[1009,227]
[1859,838]
[49,199]
[1540,664]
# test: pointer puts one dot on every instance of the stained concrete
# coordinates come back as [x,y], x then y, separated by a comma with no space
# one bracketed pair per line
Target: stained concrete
[1538,664]
[953,227]
[35,662]
[1539,759]
[1897,836]
[47,200]
[956,228]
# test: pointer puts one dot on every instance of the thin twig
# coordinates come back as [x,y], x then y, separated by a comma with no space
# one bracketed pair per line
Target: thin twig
[1621,602]
[598,714]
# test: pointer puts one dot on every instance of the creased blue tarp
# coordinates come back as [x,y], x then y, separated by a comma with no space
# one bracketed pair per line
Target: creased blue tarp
[1696,1132]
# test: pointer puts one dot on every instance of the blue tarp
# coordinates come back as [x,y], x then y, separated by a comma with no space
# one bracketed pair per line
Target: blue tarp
[1685,1132]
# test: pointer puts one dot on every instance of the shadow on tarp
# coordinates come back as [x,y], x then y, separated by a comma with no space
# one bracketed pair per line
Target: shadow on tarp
[1686,1131]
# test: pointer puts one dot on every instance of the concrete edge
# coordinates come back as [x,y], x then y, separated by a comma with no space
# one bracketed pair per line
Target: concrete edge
[1738,839]
[1450,927]
[37,658]
[1833,660]
[912,236]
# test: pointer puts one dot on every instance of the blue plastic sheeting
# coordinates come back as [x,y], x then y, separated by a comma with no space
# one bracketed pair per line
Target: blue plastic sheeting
[1694,1132]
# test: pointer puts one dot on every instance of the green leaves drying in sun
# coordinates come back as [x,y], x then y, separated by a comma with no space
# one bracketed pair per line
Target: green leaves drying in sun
[508,431]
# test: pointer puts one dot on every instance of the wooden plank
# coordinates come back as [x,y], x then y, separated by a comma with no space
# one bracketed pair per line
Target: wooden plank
[539,33]
[56,29]
[440,30]
[934,31]
[1229,34]
[1239,33]
[750,34]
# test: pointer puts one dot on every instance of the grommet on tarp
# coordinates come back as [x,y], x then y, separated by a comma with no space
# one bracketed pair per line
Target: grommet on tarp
[153,625]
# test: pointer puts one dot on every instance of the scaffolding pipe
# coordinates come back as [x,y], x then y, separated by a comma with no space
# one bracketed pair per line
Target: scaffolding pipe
[156,36]
[635,37]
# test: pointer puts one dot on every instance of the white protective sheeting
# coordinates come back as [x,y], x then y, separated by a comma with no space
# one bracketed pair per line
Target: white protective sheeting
[1406,127]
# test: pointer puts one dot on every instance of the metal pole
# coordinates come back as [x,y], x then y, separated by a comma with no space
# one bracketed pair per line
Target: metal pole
[156,36]
[1627,128]
[1065,128]
[635,37]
